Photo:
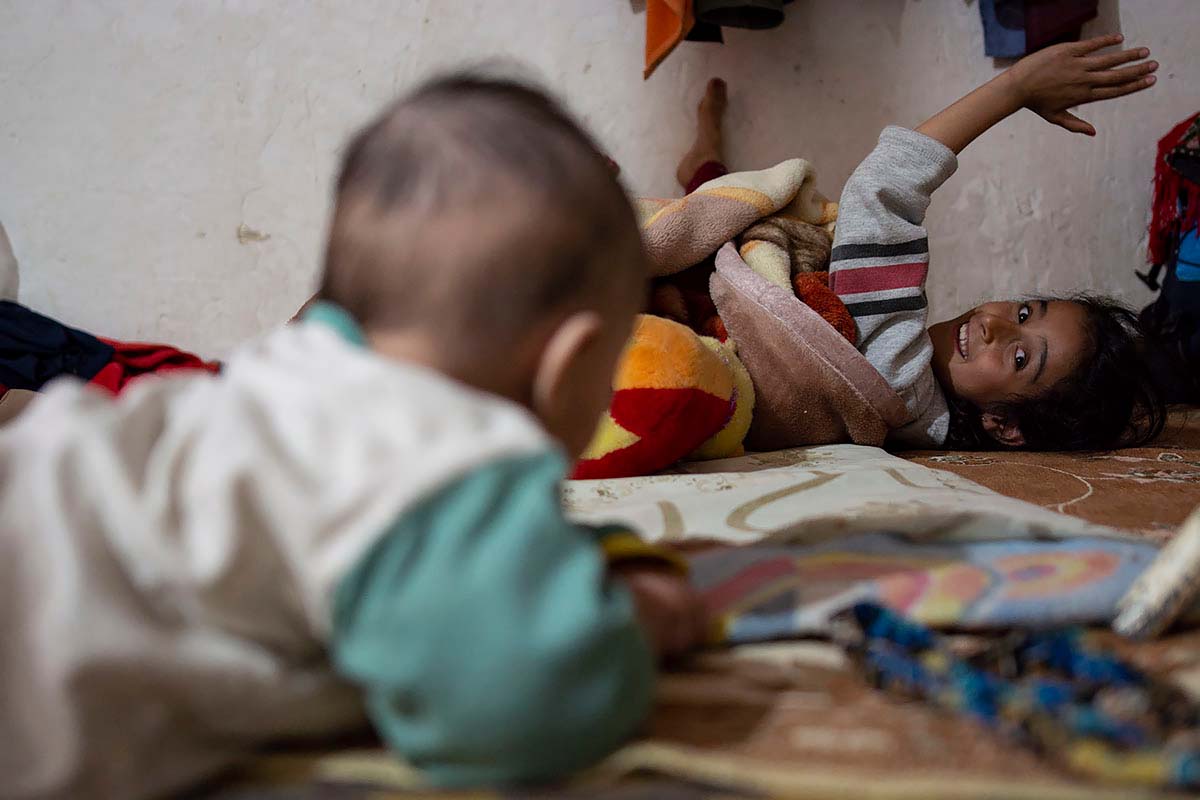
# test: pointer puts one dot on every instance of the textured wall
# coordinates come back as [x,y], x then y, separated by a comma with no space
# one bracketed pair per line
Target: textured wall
[138,137]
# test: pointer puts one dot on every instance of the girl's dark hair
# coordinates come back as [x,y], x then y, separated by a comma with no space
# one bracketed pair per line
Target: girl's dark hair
[1111,400]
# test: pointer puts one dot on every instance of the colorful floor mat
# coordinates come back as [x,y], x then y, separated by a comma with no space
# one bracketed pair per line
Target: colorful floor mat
[767,591]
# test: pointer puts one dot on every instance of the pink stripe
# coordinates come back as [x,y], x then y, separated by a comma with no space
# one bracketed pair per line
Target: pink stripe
[877,279]
[720,597]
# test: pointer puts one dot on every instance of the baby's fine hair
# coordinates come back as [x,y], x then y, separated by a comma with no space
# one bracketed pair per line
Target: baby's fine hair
[1111,398]
[472,208]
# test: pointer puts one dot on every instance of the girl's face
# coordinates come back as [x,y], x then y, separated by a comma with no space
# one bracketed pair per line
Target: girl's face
[1008,350]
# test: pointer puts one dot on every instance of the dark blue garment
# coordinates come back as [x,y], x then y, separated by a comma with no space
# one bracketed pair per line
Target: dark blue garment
[35,349]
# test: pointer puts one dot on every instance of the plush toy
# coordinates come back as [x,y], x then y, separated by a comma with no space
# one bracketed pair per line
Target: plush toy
[680,390]
[728,440]
[675,395]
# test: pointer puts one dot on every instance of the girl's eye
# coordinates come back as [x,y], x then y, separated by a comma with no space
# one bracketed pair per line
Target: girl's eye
[1021,359]
[1023,314]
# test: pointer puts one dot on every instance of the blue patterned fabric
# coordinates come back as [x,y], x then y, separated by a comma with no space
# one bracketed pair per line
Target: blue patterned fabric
[1052,690]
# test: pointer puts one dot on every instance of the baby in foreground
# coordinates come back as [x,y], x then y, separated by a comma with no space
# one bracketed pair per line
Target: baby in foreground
[360,517]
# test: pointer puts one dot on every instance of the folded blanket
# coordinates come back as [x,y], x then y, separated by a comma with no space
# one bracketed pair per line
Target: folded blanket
[683,232]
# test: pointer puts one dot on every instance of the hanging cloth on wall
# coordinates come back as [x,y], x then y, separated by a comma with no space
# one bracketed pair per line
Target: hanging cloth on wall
[1176,207]
[1173,319]
[1003,28]
[1014,28]
[1049,22]
[705,32]
[753,14]
[669,22]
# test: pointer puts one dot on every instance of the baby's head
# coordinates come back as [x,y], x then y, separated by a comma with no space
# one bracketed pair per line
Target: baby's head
[1047,374]
[480,232]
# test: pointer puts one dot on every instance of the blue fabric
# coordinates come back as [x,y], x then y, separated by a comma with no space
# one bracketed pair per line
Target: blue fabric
[1187,269]
[489,643]
[35,349]
[1003,28]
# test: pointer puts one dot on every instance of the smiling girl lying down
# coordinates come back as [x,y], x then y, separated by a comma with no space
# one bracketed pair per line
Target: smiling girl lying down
[1038,373]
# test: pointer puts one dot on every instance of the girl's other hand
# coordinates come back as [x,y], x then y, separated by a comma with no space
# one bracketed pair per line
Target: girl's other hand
[1050,81]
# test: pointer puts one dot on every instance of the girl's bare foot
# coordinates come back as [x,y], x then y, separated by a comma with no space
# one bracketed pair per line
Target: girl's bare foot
[708,145]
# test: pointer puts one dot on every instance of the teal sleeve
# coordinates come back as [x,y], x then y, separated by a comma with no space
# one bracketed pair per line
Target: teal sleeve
[488,641]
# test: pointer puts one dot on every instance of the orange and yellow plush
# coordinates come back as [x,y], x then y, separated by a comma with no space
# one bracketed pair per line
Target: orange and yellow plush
[675,395]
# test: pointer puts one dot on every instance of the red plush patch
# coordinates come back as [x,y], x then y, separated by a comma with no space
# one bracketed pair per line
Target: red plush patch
[813,289]
[714,327]
[671,422]
[684,415]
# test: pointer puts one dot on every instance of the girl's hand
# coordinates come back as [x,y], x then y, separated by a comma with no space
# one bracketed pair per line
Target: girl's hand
[1050,81]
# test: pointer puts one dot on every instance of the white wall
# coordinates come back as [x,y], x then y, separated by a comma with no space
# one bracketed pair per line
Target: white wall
[137,136]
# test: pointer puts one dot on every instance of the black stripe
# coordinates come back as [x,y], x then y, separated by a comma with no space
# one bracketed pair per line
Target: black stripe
[845,252]
[872,307]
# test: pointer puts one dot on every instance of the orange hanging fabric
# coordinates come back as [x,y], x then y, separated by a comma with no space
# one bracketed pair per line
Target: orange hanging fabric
[667,22]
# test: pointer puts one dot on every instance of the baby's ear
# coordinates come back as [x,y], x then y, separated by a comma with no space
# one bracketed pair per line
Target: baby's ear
[1003,428]
[555,368]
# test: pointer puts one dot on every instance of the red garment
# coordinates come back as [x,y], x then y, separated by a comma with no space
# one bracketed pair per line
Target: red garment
[1049,22]
[133,360]
[1169,185]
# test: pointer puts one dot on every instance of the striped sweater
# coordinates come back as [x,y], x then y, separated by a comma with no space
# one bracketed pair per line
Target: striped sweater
[879,264]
